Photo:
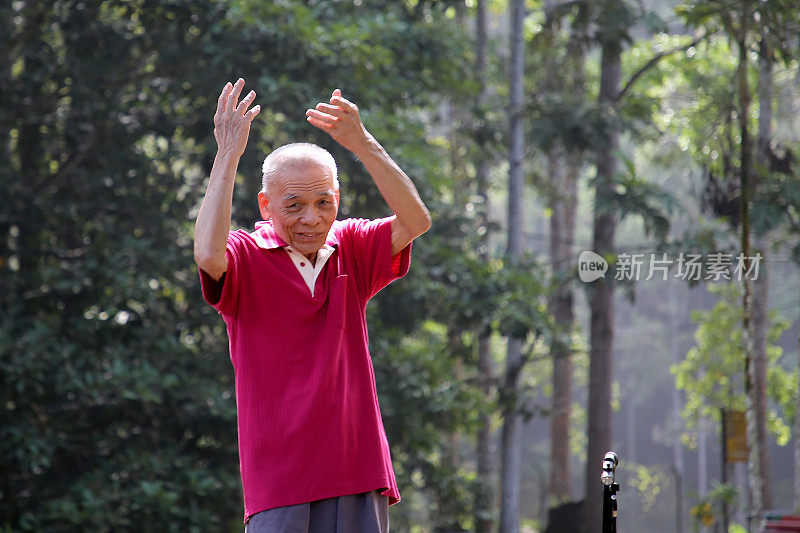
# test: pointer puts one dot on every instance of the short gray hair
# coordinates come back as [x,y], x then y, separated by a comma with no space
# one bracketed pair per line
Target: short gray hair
[302,153]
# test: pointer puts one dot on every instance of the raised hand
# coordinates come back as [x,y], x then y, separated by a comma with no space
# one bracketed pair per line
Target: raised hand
[340,119]
[232,121]
[231,129]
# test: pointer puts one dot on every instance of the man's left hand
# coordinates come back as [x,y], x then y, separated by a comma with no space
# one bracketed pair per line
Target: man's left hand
[340,119]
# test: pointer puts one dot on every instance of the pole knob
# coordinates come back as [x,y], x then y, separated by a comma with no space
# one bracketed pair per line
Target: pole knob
[610,462]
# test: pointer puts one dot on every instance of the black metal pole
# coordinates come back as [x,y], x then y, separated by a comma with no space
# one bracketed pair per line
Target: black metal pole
[610,489]
[610,508]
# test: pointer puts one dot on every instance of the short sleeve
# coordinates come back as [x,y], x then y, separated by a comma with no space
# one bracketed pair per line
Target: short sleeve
[223,295]
[369,242]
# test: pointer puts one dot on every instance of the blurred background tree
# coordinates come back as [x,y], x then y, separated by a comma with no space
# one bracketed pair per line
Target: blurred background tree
[116,390]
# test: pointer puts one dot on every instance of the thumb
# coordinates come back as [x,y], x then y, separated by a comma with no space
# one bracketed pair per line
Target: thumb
[336,92]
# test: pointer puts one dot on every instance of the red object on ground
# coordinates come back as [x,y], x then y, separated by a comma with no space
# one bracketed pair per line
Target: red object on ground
[784,523]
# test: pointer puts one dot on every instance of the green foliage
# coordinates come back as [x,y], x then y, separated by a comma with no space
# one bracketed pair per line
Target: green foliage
[631,195]
[563,104]
[647,482]
[560,106]
[116,407]
[706,513]
[698,92]
[560,117]
[440,396]
[775,20]
[115,401]
[711,374]
[430,402]
[699,107]
[614,22]
[713,128]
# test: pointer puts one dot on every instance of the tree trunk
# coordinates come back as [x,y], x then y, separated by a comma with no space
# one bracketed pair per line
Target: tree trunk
[797,441]
[702,457]
[485,496]
[755,470]
[602,297]
[7,29]
[702,461]
[677,407]
[723,468]
[512,426]
[511,441]
[760,326]
[563,204]
[516,138]
[760,285]
[447,508]
[563,168]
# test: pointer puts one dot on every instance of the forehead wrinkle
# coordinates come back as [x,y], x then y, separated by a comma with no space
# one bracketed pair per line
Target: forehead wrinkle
[305,175]
[292,187]
[306,183]
[320,194]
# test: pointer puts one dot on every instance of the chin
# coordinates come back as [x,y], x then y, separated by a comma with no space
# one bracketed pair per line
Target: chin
[308,249]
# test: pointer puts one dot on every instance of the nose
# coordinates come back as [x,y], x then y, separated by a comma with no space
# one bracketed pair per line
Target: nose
[310,216]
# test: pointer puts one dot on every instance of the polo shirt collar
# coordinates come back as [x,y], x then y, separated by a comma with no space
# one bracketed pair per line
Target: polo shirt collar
[266,237]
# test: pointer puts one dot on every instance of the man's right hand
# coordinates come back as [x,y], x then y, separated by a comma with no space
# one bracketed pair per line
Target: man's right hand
[231,129]
[232,121]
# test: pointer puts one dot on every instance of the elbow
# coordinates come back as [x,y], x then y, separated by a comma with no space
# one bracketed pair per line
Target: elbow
[425,221]
[211,264]
[419,226]
[406,229]
[201,256]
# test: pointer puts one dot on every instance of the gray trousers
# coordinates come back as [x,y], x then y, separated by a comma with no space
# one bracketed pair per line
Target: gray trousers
[367,512]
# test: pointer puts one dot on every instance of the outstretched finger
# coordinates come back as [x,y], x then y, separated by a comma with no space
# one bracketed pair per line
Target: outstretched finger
[245,103]
[346,105]
[234,95]
[329,109]
[250,115]
[321,124]
[223,97]
[324,117]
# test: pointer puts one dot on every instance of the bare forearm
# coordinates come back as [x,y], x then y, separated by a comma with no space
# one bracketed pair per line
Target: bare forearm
[231,129]
[340,119]
[395,186]
[214,218]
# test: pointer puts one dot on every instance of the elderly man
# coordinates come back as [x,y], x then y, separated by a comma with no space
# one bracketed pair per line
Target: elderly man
[313,452]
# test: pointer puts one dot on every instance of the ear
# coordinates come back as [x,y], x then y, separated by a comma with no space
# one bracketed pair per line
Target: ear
[263,206]
[336,194]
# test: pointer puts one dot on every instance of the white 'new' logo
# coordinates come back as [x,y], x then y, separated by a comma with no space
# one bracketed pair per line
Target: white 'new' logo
[591,266]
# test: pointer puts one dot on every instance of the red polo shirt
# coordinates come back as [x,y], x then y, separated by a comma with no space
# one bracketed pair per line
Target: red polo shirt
[308,415]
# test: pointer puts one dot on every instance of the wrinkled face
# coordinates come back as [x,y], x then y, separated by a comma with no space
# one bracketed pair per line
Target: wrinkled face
[303,204]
